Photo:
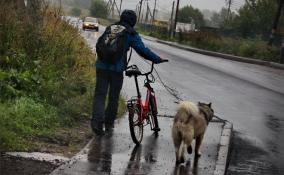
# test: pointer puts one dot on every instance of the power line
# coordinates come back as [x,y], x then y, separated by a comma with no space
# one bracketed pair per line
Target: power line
[140,7]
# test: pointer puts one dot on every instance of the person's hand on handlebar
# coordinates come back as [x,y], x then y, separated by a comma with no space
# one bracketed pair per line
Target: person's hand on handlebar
[164,60]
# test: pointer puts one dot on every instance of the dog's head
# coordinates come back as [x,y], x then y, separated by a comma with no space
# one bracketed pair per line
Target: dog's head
[207,110]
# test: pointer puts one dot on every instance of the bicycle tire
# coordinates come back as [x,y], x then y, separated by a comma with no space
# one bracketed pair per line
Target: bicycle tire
[136,128]
[154,112]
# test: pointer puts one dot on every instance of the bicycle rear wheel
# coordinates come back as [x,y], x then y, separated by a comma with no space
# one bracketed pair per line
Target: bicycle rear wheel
[136,128]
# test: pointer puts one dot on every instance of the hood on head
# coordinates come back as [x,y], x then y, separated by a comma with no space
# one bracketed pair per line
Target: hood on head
[129,17]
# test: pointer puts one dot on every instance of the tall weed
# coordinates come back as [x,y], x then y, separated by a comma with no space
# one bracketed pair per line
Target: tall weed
[46,75]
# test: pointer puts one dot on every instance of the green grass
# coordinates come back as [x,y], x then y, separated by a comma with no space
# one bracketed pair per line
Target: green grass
[47,79]
[25,118]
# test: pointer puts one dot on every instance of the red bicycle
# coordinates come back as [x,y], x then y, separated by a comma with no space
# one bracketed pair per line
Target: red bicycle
[142,114]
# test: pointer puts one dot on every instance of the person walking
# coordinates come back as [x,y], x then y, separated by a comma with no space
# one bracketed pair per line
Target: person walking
[112,48]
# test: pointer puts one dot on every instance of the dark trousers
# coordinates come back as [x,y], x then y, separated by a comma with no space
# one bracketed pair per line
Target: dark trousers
[111,83]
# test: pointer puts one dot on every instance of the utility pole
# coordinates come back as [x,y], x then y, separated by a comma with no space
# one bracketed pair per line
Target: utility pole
[148,20]
[154,11]
[112,10]
[282,51]
[137,8]
[120,7]
[281,4]
[147,14]
[229,9]
[111,5]
[275,23]
[140,8]
[177,9]
[172,18]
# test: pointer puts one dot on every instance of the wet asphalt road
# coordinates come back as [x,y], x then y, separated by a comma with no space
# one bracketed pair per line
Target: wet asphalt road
[250,96]
[116,154]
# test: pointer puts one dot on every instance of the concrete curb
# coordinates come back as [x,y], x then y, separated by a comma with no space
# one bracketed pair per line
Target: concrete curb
[73,160]
[38,156]
[224,147]
[217,54]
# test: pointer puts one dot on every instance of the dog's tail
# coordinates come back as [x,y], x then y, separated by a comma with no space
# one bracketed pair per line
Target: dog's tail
[187,109]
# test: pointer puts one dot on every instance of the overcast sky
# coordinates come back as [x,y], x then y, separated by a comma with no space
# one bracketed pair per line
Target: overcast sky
[165,5]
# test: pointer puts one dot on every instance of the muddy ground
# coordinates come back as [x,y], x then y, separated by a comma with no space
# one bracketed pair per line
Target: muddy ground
[66,142]
[10,165]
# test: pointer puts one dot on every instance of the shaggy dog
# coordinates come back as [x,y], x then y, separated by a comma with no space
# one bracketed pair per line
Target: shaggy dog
[190,122]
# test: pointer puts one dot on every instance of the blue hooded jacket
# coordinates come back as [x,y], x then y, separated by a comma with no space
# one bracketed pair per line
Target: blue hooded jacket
[132,40]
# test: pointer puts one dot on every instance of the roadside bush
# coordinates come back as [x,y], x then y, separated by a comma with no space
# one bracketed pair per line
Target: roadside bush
[247,49]
[47,76]
[251,48]
[230,46]
[75,11]
[99,9]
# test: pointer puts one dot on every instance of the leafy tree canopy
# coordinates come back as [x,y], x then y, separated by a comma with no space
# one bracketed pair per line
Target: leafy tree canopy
[187,13]
[75,11]
[218,19]
[255,17]
[99,8]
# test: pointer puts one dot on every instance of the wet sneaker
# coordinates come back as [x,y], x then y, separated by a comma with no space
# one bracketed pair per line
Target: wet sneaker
[156,129]
[109,127]
[97,128]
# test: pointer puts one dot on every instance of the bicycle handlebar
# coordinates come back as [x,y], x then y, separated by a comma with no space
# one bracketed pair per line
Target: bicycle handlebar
[136,68]
[148,73]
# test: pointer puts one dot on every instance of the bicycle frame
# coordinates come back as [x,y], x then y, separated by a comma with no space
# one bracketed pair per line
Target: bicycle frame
[144,108]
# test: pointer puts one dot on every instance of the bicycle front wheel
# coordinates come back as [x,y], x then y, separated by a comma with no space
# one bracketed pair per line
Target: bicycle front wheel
[136,127]
[154,119]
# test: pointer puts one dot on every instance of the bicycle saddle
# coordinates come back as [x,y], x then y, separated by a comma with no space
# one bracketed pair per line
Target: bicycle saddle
[133,71]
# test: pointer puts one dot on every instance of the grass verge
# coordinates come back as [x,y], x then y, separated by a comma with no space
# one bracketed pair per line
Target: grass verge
[47,80]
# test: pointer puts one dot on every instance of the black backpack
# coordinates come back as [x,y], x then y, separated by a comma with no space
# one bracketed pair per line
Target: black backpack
[111,45]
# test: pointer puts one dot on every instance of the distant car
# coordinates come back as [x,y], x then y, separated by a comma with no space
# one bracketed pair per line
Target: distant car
[91,23]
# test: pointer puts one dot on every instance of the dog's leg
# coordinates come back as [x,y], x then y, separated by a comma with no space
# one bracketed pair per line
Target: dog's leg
[180,157]
[177,138]
[198,144]
[189,149]
[188,140]
[177,153]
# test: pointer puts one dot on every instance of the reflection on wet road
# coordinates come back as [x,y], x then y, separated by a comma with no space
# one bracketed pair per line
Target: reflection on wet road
[100,154]
[116,154]
[143,157]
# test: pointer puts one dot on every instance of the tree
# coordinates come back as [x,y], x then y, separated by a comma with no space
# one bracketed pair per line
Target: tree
[218,19]
[75,11]
[99,8]
[83,4]
[187,13]
[20,4]
[255,17]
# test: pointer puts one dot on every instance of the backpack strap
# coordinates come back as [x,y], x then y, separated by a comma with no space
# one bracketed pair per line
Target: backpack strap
[129,58]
